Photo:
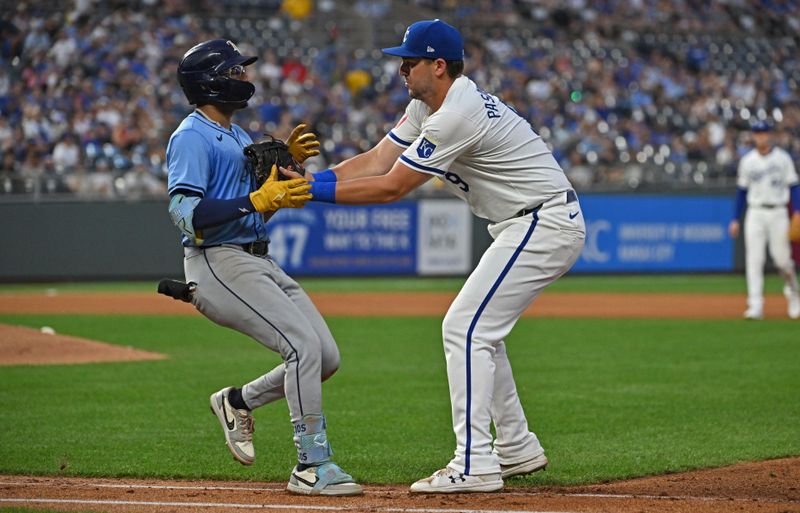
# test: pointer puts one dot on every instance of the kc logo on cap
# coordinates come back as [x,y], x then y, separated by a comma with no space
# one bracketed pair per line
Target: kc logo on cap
[431,39]
[761,126]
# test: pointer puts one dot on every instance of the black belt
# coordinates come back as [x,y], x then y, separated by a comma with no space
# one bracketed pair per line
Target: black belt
[571,198]
[769,206]
[257,248]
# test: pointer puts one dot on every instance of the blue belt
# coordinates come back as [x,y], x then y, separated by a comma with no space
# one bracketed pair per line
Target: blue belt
[571,198]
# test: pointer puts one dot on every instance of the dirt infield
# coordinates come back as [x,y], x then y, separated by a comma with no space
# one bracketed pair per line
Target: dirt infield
[26,346]
[769,487]
[564,304]
[18,346]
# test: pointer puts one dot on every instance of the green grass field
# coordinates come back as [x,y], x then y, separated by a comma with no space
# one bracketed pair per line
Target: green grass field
[610,399]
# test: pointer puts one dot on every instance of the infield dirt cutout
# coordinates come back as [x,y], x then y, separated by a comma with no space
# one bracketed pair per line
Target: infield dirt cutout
[771,486]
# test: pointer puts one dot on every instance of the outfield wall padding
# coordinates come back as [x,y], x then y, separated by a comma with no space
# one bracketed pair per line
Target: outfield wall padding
[135,240]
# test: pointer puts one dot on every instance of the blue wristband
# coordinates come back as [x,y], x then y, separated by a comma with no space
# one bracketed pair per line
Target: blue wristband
[326,175]
[741,199]
[794,194]
[323,191]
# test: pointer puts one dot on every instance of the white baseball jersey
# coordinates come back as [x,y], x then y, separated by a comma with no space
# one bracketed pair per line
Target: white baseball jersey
[482,149]
[767,178]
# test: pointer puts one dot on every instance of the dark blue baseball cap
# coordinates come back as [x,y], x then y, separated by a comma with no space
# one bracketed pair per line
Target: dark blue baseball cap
[761,126]
[431,39]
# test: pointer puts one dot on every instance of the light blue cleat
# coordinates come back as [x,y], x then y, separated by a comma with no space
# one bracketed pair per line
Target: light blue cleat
[324,479]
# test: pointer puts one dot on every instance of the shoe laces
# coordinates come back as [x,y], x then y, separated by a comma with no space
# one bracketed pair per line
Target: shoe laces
[246,423]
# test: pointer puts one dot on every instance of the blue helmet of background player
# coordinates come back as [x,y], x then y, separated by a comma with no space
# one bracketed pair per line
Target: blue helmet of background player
[205,74]
[761,126]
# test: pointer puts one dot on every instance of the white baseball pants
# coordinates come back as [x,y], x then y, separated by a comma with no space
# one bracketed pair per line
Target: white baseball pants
[766,228]
[528,253]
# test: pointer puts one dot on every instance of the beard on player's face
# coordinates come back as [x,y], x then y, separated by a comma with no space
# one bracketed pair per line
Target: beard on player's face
[417,93]
[420,85]
[420,88]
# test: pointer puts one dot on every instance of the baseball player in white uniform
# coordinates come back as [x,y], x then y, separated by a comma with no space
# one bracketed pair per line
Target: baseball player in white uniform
[767,180]
[489,156]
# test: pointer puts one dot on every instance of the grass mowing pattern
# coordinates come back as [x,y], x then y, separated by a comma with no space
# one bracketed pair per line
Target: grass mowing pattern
[610,399]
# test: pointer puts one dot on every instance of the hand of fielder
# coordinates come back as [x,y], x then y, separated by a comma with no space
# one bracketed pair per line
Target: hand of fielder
[733,229]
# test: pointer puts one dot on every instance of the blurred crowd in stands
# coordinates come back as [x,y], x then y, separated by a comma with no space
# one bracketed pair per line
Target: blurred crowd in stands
[630,94]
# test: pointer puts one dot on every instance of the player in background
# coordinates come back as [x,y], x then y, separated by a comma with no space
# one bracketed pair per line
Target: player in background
[222,214]
[767,181]
[489,156]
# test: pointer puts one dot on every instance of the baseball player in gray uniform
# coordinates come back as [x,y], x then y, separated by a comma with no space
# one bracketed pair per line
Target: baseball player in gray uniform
[222,213]
[766,181]
[489,156]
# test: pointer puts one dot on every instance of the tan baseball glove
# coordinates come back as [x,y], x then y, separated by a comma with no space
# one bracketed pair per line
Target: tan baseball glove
[794,228]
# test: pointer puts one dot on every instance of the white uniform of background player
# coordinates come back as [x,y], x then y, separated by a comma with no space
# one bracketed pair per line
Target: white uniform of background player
[491,158]
[766,176]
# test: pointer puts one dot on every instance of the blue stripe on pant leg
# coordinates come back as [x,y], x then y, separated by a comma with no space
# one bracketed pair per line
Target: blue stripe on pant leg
[475,322]
[248,305]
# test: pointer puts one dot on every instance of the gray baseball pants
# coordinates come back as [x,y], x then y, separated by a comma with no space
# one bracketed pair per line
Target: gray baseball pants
[255,296]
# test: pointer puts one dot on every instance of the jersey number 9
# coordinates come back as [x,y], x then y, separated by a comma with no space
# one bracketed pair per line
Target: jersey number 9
[457,181]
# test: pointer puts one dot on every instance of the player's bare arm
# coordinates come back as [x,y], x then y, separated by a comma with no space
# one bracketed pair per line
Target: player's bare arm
[392,186]
[375,162]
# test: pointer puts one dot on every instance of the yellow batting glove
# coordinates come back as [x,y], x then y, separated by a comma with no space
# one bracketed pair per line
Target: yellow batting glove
[274,194]
[302,146]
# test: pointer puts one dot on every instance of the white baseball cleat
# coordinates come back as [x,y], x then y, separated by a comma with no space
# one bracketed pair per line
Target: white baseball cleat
[238,426]
[538,462]
[448,480]
[753,314]
[325,479]
[792,303]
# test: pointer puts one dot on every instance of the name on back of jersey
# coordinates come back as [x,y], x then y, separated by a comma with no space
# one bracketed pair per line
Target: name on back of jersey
[489,104]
